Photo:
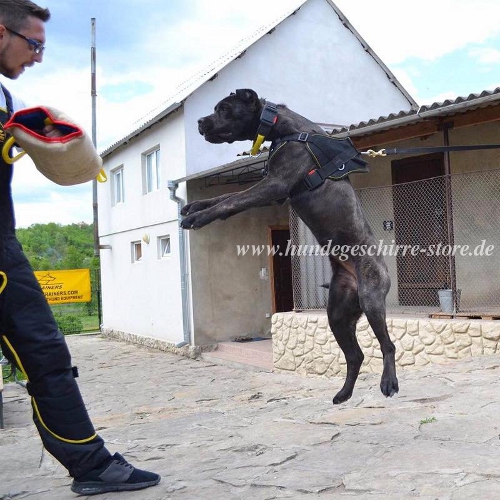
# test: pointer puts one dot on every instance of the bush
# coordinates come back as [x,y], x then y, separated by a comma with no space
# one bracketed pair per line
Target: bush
[69,323]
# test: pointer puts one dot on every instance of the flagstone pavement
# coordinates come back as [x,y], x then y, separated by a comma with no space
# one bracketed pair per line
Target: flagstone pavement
[221,432]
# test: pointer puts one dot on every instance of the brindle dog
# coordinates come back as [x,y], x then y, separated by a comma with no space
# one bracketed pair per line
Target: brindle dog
[331,211]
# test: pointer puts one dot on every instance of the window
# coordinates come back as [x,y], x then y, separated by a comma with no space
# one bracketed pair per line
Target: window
[136,251]
[117,189]
[164,246]
[151,171]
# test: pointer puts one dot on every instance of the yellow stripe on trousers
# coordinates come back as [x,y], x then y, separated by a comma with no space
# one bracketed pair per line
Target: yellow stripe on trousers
[35,406]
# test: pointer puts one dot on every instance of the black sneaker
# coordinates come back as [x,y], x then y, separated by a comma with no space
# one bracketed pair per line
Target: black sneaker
[118,475]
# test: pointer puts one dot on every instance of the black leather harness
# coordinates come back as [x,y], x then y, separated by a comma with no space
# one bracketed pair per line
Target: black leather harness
[335,159]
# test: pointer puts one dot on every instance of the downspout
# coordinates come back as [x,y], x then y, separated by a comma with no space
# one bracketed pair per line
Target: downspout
[445,127]
[186,323]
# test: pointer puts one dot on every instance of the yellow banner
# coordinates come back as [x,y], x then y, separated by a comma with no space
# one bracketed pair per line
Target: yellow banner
[63,287]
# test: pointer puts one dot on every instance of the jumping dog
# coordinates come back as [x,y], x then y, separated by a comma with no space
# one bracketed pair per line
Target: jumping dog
[329,208]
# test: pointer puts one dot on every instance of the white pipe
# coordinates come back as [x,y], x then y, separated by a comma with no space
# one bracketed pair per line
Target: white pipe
[186,323]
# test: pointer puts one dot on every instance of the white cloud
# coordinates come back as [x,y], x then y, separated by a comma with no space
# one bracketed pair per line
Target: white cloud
[426,29]
[486,55]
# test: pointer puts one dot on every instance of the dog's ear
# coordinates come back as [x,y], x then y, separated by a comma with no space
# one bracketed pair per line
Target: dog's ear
[247,95]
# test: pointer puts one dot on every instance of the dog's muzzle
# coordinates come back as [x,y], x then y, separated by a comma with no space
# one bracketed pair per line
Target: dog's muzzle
[205,125]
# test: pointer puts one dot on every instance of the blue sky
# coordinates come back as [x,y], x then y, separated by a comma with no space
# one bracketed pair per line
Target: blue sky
[457,73]
[437,49]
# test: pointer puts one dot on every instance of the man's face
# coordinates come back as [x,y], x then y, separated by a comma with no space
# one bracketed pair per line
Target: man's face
[16,53]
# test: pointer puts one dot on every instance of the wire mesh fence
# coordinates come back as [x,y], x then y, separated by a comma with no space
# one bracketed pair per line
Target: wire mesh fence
[440,238]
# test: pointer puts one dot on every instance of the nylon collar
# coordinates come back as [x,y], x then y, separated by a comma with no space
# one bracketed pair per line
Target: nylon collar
[268,119]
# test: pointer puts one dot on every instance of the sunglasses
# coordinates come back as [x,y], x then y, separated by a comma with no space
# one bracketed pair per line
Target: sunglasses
[38,47]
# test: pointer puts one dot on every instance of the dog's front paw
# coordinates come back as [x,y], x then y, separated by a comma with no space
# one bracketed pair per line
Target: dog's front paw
[189,208]
[195,221]
[195,206]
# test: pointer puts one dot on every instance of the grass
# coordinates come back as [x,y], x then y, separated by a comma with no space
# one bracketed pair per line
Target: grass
[428,420]
[89,322]
[8,374]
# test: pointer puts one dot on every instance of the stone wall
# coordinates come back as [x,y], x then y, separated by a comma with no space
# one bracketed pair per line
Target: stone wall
[303,342]
[189,351]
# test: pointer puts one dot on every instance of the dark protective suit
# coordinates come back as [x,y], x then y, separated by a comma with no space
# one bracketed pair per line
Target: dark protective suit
[30,338]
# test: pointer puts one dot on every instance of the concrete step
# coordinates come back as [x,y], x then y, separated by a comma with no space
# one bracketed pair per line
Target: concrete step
[254,355]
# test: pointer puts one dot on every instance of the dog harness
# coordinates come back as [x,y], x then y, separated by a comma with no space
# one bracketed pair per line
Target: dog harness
[335,159]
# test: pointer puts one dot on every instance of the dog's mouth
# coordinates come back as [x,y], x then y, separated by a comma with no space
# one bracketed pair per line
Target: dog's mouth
[218,138]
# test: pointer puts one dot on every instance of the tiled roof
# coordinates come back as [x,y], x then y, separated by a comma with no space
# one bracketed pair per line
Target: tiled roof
[494,96]
[472,101]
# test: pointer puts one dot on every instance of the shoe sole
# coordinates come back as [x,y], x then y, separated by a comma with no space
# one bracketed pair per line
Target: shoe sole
[94,488]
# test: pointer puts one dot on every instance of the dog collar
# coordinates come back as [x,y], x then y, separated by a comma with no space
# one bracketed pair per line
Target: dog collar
[268,119]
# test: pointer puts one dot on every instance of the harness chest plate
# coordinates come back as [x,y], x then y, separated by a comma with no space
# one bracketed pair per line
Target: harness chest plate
[334,158]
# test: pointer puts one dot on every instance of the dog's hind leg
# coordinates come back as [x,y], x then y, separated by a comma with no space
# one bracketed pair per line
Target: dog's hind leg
[373,286]
[343,314]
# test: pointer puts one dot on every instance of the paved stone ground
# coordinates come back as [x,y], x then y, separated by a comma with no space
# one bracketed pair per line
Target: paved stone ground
[216,432]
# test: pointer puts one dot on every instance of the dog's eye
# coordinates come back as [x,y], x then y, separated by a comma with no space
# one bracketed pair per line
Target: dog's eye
[224,109]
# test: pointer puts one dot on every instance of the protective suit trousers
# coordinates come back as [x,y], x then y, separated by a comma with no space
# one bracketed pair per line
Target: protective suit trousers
[30,339]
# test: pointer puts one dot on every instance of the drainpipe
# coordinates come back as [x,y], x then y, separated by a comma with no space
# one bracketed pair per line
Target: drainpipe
[445,127]
[186,323]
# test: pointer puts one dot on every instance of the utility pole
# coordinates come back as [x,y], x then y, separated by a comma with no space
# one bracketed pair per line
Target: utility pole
[93,92]
[94,133]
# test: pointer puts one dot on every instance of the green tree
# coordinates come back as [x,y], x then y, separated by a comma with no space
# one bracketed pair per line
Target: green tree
[54,246]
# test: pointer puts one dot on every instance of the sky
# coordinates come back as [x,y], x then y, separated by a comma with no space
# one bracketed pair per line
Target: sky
[438,49]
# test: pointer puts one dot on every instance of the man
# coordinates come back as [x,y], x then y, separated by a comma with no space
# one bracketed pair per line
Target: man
[29,336]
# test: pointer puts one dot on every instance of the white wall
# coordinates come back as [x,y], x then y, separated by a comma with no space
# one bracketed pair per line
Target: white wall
[141,210]
[144,297]
[312,63]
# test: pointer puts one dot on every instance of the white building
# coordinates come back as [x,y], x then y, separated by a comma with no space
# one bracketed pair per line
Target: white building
[192,287]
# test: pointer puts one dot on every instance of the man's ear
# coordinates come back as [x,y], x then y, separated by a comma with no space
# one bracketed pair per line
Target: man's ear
[247,95]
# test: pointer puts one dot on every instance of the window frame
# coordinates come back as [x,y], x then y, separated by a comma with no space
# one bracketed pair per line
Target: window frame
[117,186]
[161,254]
[151,170]
[136,256]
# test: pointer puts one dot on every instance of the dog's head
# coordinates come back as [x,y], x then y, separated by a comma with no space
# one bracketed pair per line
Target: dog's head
[235,118]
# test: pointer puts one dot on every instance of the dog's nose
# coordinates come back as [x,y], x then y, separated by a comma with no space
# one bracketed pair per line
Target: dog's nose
[204,125]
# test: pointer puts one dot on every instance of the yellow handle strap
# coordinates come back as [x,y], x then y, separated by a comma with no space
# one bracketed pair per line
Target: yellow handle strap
[5,151]
[4,281]
[11,141]
[257,144]
[101,176]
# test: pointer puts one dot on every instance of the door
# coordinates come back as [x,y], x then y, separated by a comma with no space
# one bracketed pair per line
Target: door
[419,196]
[281,270]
